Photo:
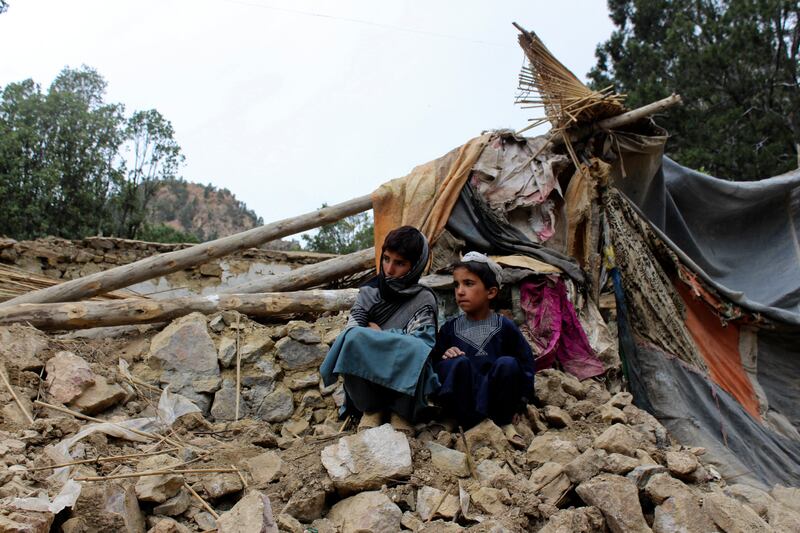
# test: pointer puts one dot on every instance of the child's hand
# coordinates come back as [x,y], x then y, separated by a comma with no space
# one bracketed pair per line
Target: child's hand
[374,326]
[452,352]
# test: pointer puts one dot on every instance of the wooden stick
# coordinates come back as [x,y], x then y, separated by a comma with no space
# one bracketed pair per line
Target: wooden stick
[159,473]
[238,369]
[639,113]
[241,477]
[310,275]
[104,459]
[16,398]
[470,463]
[137,311]
[344,424]
[202,501]
[163,264]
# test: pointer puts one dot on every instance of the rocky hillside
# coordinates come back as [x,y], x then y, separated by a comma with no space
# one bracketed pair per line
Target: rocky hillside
[200,210]
[592,461]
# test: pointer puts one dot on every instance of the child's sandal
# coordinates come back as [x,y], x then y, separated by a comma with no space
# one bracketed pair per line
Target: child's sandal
[513,437]
[401,424]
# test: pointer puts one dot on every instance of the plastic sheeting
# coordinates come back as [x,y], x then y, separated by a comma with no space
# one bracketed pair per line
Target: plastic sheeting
[741,237]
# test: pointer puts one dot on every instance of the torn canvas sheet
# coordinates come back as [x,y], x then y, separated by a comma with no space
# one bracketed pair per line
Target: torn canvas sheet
[517,177]
[554,328]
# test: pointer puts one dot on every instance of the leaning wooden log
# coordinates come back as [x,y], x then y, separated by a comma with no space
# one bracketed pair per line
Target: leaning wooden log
[310,275]
[630,117]
[160,265]
[78,315]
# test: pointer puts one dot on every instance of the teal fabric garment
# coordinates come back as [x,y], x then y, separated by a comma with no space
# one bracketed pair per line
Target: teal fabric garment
[389,358]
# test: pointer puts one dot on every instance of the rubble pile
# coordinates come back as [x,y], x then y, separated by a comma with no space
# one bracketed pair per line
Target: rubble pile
[261,448]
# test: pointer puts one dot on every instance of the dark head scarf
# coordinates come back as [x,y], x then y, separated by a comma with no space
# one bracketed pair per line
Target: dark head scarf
[406,286]
[382,297]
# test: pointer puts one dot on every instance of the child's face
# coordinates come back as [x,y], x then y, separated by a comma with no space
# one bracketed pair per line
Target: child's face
[471,294]
[394,264]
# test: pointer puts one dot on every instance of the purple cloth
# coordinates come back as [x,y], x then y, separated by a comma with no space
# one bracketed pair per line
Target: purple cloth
[555,330]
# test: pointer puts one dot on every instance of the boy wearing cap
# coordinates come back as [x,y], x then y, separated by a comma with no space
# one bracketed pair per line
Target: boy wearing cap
[485,365]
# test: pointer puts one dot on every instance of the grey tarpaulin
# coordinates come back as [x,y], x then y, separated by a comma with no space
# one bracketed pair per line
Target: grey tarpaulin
[474,222]
[741,238]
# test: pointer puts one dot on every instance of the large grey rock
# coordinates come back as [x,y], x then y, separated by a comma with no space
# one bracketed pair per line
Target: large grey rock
[756,499]
[585,466]
[23,347]
[295,355]
[682,514]
[447,460]
[276,406]
[619,438]
[98,397]
[788,496]
[19,521]
[427,500]
[184,352]
[581,520]
[220,485]
[616,463]
[67,376]
[264,373]
[302,380]
[681,464]
[550,447]
[307,504]
[368,459]
[251,514]
[367,512]
[224,406]
[174,506]
[618,499]
[303,332]
[491,501]
[110,506]
[662,486]
[487,433]
[159,488]
[226,353]
[783,518]
[732,516]
[254,347]
[264,468]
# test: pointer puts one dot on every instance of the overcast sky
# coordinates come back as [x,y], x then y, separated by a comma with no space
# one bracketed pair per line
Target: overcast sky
[292,104]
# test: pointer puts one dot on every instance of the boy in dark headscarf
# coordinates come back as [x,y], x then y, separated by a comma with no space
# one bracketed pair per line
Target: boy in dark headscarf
[383,351]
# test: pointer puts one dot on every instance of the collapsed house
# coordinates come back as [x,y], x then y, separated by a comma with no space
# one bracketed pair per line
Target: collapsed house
[623,269]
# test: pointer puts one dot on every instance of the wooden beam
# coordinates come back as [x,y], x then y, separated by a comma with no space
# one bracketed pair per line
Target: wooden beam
[639,113]
[160,265]
[310,275]
[78,315]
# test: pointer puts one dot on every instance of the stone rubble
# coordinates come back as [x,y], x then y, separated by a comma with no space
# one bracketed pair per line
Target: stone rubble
[593,461]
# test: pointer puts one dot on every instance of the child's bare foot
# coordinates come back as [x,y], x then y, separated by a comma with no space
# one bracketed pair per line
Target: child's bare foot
[513,437]
[370,420]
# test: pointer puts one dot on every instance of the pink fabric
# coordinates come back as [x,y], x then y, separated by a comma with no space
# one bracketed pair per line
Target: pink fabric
[555,330]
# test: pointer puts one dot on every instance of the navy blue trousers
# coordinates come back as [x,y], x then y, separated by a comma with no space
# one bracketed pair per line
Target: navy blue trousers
[474,388]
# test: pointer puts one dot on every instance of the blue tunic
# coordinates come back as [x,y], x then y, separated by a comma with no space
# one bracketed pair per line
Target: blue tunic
[494,379]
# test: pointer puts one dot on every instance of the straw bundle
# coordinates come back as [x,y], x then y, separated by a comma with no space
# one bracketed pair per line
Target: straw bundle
[15,281]
[546,83]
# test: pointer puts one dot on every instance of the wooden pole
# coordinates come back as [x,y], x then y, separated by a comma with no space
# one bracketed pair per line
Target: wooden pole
[637,114]
[91,314]
[310,275]
[160,265]
[16,398]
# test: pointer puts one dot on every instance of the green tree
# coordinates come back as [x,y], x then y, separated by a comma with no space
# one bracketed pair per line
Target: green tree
[734,62]
[154,157]
[164,233]
[345,236]
[58,156]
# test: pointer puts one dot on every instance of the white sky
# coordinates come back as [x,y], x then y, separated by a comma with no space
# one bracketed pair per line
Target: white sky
[292,104]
